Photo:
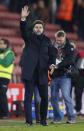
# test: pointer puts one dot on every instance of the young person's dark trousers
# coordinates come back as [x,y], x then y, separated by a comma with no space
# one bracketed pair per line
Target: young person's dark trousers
[78,93]
[3,97]
[78,83]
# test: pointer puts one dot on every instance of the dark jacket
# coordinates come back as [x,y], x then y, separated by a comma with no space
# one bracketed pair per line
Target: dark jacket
[68,60]
[38,51]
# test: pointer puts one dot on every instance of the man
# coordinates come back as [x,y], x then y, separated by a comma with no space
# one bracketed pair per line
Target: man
[36,59]
[6,68]
[78,82]
[61,77]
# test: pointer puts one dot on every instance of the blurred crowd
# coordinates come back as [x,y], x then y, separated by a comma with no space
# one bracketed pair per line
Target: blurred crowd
[67,13]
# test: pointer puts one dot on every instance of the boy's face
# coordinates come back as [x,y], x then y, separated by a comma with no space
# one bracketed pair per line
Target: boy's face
[38,29]
[2,45]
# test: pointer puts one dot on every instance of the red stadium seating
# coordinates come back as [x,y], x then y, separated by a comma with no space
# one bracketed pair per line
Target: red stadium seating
[8,32]
[14,40]
[50,27]
[3,8]
[80,45]
[9,16]
[9,23]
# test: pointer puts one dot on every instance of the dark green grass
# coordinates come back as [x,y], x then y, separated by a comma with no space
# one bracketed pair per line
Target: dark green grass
[18,125]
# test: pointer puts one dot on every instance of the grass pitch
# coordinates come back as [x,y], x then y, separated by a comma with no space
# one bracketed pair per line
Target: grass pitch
[18,125]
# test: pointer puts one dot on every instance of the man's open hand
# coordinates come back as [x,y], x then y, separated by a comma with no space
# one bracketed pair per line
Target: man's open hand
[25,12]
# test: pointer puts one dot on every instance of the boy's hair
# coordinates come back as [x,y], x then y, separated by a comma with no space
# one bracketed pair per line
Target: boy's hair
[6,42]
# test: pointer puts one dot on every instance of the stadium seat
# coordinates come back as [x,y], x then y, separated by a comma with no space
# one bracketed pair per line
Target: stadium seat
[9,16]
[80,45]
[15,40]
[9,23]
[3,8]
[8,32]
[50,27]
[72,36]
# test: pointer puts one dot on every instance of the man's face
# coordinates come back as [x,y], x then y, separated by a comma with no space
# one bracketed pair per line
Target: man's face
[60,40]
[38,29]
[2,45]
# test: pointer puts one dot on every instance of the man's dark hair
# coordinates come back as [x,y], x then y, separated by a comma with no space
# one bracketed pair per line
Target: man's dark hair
[38,22]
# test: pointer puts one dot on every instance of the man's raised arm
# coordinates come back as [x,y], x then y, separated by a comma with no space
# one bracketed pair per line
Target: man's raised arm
[25,32]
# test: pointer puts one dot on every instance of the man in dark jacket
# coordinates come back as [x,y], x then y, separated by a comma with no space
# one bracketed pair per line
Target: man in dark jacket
[61,77]
[36,59]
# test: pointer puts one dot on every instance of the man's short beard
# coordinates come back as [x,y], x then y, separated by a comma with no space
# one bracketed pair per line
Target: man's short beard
[38,33]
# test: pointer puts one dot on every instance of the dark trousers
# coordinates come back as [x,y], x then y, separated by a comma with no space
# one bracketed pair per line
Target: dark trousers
[43,91]
[78,93]
[78,83]
[3,97]
[37,101]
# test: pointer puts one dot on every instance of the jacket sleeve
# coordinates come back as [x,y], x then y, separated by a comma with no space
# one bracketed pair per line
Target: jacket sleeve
[25,30]
[52,53]
[69,58]
[8,60]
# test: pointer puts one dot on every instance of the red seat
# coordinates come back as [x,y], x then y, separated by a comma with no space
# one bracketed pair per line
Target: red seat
[9,23]
[80,45]
[50,34]
[9,15]
[51,27]
[8,32]
[3,8]
[72,36]
[15,40]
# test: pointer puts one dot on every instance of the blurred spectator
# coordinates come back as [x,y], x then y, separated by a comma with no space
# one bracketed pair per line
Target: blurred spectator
[78,18]
[79,86]
[46,3]
[16,5]
[78,82]
[52,10]
[64,14]
[42,11]
[38,11]
[37,7]
[33,15]
[5,2]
